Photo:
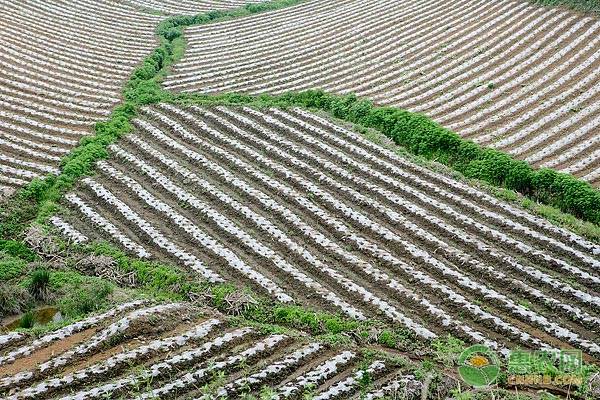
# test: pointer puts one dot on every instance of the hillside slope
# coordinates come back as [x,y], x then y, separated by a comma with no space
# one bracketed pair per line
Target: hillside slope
[309,212]
[507,74]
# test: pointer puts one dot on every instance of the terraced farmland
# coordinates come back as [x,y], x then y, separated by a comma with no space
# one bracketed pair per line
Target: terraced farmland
[505,74]
[62,69]
[126,352]
[309,212]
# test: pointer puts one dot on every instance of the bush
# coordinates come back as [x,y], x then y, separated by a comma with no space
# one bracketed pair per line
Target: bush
[11,267]
[17,249]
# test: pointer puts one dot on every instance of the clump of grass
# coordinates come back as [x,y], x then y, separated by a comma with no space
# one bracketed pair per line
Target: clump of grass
[39,286]
[27,320]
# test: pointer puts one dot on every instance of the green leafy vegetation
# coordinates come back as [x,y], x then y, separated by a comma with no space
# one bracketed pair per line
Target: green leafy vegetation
[586,229]
[27,286]
[447,350]
[27,320]
[580,5]
[152,276]
[17,249]
[93,296]
[11,266]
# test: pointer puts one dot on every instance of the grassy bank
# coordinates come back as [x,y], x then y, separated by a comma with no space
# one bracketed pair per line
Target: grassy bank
[579,5]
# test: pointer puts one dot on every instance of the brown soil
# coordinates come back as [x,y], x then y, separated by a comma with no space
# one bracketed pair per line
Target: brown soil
[46,353]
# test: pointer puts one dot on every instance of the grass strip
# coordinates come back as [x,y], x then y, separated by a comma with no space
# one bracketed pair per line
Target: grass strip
[579,5]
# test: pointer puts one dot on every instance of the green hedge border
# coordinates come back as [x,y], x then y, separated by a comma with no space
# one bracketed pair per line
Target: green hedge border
[424,137]
[417,133]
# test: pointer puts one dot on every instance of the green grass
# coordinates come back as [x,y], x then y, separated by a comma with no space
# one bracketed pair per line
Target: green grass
[580,5]
[11,266]
[77,295]
[38,284]
[27,320]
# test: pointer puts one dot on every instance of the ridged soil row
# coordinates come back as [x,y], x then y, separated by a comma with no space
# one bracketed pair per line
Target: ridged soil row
[11,352]
[355,263]
[348,284]
[457,193]
[285,203]
[191,353]
[413,254]
[458,256]
[507,74]
[131,325]
[62,70]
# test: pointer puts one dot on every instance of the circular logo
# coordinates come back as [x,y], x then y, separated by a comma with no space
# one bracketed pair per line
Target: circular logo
[478,366]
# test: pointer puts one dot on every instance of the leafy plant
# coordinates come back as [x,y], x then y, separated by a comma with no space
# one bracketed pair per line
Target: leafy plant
[447,350]
[267,393]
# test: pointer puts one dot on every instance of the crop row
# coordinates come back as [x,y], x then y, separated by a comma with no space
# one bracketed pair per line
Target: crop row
[90,322]
[63,65]
[117,330]
[175,361]
[507,74]
[313,213]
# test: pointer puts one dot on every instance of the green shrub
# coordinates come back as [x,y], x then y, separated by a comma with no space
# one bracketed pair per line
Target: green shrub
[17,249]
[10,267]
